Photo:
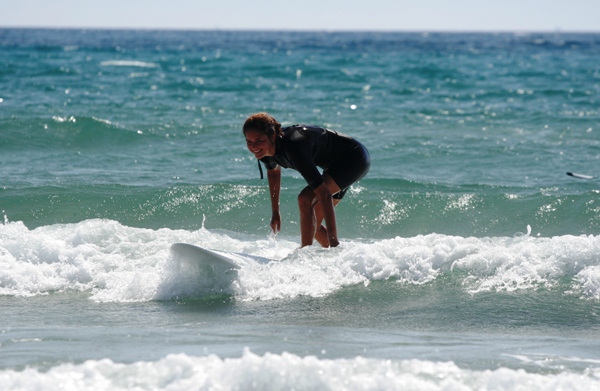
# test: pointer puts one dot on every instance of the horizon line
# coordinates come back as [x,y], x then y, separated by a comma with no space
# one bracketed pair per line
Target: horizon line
[236,29]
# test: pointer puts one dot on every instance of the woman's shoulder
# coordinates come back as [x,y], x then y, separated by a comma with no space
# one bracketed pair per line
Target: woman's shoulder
[296,139]
[301,131]
[292,133]
[298,127]
[292,129]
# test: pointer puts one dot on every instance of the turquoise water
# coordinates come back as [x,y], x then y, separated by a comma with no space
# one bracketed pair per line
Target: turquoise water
[468,257]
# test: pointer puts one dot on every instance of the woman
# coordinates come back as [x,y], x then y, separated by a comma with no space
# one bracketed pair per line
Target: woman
[304,148]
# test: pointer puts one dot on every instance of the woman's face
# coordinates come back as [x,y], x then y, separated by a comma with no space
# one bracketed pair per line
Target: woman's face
[259,144]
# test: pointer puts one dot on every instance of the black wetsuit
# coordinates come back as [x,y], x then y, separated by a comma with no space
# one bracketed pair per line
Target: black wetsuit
[304,148]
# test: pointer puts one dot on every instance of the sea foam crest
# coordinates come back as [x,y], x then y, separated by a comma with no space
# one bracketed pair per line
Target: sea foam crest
[285,372]
[113,262]
[128,63]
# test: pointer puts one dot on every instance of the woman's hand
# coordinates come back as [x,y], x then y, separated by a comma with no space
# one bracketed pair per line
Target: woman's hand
[276,222]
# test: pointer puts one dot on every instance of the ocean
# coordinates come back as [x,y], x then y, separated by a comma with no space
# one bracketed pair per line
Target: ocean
[469,259]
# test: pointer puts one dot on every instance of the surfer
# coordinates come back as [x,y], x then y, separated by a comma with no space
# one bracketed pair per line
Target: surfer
[304,148]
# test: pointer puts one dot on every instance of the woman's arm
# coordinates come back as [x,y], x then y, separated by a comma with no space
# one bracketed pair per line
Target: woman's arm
[274,178]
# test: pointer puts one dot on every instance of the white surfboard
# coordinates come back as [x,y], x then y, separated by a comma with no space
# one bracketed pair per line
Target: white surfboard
[197,271]
[216,261]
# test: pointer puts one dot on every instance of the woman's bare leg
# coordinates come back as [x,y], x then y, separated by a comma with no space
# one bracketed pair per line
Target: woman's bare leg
[321,234]
[306,204]
[310,223]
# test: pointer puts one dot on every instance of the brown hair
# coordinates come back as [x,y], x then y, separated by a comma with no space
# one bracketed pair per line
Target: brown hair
[264,123]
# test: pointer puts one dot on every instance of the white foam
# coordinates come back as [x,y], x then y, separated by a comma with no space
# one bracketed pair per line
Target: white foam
[525,262]
[287,372]
[128,63]
[589,281]
[113,262]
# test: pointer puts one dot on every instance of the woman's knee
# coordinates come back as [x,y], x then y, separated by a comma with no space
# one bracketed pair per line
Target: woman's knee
[307,197]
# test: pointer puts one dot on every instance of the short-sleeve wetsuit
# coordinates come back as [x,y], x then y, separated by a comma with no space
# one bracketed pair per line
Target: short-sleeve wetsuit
[304,148]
